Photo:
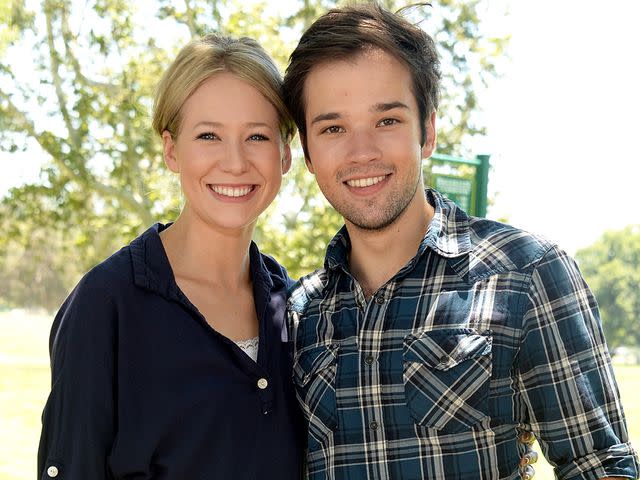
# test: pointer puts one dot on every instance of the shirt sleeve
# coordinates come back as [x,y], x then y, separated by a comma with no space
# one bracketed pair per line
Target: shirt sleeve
[566,381]
[78,419]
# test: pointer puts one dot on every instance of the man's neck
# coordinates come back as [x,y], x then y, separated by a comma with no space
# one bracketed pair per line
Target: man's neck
[377,255]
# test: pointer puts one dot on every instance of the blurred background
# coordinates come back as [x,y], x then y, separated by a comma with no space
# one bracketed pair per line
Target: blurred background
[548,89]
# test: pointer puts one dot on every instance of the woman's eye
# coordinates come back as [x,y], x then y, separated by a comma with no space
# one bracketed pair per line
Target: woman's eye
[207,136]
[387,122]
[258,137]
[333,129]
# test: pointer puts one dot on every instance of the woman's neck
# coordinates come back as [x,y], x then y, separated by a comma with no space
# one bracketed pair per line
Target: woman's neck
[198,251]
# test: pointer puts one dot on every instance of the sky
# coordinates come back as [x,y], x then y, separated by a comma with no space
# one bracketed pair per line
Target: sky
[561,120]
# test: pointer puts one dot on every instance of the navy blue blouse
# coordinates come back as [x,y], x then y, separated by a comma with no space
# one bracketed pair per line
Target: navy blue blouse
[143,387]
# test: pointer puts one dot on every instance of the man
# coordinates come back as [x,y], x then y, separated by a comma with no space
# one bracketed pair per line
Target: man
[430,341]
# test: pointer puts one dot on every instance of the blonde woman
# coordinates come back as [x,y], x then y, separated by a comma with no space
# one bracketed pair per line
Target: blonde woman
[170,359]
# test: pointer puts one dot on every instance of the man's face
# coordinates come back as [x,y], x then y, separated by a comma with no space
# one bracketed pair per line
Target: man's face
[363,137]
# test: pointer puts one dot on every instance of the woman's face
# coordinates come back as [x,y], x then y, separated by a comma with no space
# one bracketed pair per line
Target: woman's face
[229,153]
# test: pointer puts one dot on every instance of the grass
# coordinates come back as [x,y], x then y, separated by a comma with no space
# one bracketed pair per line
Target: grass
[24,385]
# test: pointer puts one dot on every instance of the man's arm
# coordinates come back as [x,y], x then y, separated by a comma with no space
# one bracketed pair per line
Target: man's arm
[566,379]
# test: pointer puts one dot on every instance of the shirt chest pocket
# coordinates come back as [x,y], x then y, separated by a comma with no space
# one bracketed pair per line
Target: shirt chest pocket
[446,376]
[314,375]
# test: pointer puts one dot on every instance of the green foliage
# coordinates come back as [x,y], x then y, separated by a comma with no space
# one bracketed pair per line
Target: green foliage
[87,106]
[611,267]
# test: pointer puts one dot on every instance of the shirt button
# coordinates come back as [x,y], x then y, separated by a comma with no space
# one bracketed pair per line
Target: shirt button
[262,383]
[380,299]
[529,458]
[527,438]
[52,471]
[373,425]
[369,359]
[527,473]
[444,359]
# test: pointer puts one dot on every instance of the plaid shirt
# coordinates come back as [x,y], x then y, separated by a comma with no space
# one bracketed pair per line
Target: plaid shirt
[487,332]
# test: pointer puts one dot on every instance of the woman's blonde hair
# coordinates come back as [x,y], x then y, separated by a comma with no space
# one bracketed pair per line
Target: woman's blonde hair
[210,55]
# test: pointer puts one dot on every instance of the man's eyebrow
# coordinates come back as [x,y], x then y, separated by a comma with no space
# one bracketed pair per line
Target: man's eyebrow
[325,116]
[384,107]
[378,107]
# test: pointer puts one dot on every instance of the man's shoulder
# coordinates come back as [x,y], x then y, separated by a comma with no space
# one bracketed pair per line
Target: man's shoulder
[498,247]
[309,288]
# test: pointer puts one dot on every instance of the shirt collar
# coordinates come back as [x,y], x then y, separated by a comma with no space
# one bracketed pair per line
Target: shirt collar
[447,235]
[152,271]
[448,232]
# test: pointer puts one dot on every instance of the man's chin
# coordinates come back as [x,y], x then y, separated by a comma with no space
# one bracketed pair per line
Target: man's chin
[378,224]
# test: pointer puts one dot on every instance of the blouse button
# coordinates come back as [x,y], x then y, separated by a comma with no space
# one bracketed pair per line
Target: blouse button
[262,383]
[52,471]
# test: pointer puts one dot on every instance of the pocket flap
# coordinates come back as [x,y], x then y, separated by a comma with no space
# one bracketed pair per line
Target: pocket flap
[446,348]
[312,360]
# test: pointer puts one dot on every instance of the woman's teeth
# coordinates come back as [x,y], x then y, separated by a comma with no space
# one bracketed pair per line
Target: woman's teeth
[231,191]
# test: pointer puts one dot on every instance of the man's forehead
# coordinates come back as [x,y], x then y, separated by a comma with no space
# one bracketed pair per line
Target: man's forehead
[327,80]
[366,54]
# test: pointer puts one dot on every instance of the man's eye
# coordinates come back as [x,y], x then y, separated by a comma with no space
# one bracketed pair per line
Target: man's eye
[258,137]
[207,136]
[387,122]
[333,129]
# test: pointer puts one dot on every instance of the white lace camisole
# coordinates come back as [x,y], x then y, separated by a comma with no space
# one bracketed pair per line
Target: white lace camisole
[250,347]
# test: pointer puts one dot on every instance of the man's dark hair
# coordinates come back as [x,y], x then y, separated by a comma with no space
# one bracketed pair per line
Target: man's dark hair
[345,32]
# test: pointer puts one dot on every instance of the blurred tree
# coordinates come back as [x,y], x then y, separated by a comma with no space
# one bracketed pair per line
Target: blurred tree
[611,267]
[86,106]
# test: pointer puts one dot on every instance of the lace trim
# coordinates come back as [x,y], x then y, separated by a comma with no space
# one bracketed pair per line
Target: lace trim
[250,347]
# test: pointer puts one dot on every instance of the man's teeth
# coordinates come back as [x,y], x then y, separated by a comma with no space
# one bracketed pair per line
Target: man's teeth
[231,191]
[365,182]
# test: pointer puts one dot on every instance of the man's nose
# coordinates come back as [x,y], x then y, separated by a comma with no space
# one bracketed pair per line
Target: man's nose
[363,146]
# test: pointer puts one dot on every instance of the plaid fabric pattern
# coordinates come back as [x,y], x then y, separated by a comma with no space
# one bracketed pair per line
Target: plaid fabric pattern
[488,331]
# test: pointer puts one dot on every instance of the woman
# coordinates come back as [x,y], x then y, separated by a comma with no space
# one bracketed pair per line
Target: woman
[170,359]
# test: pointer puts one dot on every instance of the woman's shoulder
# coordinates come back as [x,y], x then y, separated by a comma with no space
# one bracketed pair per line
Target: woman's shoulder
[114,277]
[93,304]
[276,271]
[117,272]
[112,274]
[88,315]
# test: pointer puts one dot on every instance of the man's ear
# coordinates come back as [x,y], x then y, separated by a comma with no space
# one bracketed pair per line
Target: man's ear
[169,152]
[286,158]
[305,150]
[430,142]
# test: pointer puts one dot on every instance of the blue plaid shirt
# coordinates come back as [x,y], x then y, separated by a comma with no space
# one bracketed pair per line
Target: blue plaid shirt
[487,332]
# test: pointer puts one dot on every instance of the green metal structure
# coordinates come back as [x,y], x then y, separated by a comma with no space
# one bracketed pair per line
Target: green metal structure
[468,190]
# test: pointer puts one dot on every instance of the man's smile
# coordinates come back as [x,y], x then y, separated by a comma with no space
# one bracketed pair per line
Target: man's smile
[365,182]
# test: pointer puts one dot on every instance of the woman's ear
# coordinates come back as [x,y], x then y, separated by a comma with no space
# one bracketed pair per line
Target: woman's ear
[286,158]
[169,152]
